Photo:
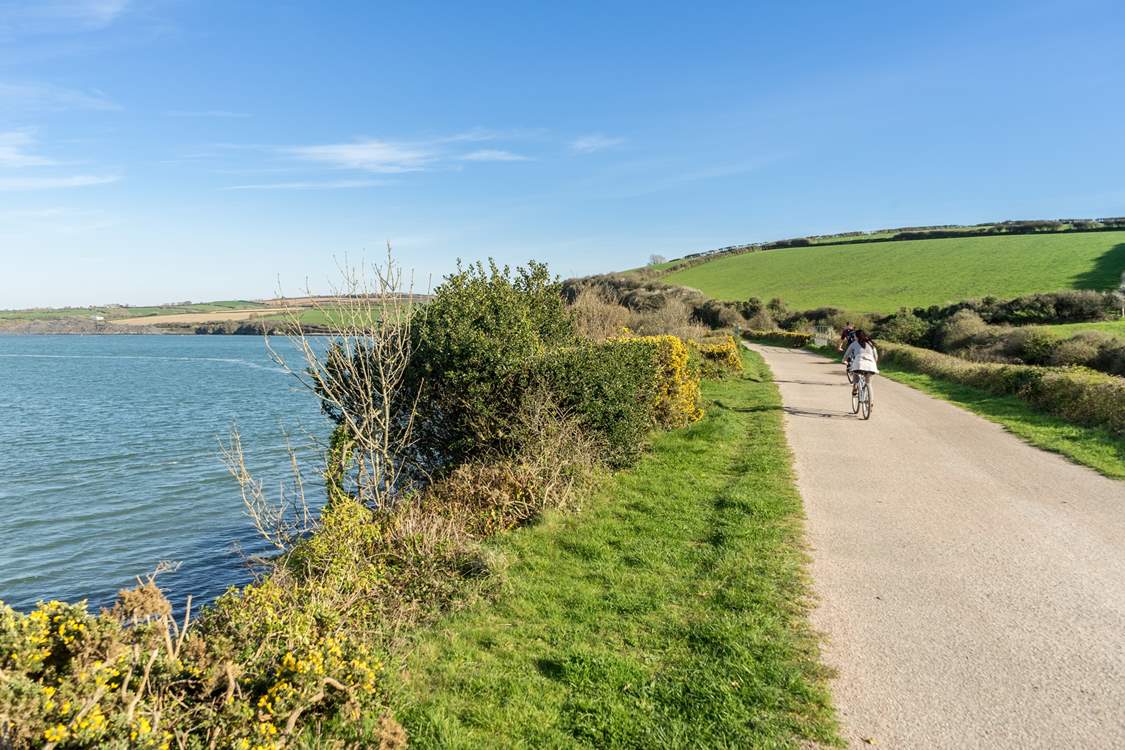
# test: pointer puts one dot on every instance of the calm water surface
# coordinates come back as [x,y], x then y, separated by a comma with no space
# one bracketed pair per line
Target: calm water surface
[109,460]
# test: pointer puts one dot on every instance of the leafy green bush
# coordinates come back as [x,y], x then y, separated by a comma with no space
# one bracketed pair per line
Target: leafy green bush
[1111,359]
[1081,350]
[470,342]
[1031,345]
[904,327]
[961,330]
[610,388]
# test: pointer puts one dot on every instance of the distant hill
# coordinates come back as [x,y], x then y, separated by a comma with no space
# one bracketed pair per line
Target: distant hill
[881,276]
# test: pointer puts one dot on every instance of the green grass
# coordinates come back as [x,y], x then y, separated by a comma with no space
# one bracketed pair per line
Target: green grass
[1113,327]
[881,277]
[1095,448]
[670,612]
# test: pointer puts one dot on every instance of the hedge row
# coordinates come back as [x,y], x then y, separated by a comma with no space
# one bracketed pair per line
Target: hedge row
[1073,393]
[780,337]
[620,389]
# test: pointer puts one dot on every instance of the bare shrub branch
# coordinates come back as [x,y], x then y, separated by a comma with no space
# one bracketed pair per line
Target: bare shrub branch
[359,373]
[280,521]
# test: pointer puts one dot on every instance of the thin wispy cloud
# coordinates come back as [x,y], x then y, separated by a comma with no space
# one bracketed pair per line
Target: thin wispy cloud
[15,150]
[492,154]
[475,135]
[588,144]
[53,183]
[50,98]
[369,155]
[392,157]
[213,113]
[312,185]
[59,16]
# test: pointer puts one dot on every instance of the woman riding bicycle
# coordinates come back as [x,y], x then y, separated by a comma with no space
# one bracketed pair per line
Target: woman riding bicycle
[864,359]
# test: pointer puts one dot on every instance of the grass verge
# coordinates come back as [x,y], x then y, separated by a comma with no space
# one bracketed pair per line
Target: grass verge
[670,612]
[1092,447]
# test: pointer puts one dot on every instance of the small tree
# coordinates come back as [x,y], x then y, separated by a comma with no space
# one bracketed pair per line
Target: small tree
[656,260]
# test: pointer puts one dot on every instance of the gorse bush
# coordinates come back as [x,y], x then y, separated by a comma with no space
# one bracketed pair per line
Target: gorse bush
[961,330]
[1080,350]
[555,465]
[620,389]
[1068,306]
[719,357]
[670,307]
[677,401]
[72,679]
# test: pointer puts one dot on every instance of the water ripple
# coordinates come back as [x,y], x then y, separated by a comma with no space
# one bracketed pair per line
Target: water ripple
[109,460]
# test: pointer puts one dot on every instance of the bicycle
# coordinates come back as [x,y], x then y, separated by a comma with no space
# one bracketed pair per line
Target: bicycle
[861,396]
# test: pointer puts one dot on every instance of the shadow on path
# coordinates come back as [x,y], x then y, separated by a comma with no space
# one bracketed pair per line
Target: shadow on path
[817,413]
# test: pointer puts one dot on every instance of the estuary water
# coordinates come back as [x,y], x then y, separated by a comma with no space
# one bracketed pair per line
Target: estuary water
[110,463]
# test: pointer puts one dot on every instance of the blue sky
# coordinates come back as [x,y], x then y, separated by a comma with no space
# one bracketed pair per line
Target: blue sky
[160,150]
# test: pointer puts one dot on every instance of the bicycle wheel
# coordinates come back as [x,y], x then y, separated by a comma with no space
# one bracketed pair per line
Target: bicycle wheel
[855,401]
[865,404]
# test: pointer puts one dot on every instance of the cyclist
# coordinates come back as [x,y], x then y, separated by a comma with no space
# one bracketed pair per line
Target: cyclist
[847,336]
[862,358]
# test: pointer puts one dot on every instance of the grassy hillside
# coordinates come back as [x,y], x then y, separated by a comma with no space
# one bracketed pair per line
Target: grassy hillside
[881,277]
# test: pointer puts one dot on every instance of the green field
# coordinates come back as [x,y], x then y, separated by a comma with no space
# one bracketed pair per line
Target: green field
[1113,327]
[883,276]
[670,612]
[64,313]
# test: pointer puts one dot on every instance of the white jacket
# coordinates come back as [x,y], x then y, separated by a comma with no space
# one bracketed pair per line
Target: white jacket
[864,358]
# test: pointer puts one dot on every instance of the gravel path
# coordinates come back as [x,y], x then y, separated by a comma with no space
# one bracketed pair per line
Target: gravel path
[971,587]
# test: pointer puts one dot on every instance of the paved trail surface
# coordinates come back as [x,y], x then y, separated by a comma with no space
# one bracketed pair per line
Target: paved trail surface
[971,587]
